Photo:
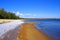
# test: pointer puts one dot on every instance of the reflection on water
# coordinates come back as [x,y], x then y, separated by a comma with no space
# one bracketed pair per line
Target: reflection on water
[49,27]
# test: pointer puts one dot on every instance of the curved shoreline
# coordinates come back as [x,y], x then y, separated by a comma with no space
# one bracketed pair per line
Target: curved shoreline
[29,32]
[9,30]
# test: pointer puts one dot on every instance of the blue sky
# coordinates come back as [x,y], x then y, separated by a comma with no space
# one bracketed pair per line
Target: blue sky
[33,8]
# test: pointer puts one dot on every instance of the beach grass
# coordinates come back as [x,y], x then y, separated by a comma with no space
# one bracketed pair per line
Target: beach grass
[8,20]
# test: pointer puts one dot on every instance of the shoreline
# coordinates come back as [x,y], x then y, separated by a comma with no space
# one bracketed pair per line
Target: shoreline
[9,30]
[29,32]
[5,27]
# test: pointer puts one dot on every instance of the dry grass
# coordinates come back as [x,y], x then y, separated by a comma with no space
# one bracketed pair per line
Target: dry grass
[4,21]
[7,20]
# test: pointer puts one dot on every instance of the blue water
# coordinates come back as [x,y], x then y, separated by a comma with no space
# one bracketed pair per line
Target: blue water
[49,27]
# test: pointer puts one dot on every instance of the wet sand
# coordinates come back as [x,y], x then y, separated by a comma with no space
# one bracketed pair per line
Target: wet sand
[29,32]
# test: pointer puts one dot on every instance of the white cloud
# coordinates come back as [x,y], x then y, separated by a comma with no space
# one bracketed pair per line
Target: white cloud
[21,14]
[34,15]
[17,13]
[25,14]
[28,15]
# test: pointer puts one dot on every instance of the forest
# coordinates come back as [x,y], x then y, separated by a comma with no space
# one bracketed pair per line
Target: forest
[7,15]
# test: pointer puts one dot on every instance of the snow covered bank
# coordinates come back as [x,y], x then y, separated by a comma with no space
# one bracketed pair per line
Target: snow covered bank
[9,26]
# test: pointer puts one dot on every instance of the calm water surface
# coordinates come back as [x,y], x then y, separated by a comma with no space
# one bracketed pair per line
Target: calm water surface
[49,27]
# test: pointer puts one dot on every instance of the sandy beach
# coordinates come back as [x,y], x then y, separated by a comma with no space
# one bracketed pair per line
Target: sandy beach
[8,31]
[29,32]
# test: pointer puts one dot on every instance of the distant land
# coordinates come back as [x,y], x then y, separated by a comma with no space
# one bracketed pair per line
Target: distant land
[43,18]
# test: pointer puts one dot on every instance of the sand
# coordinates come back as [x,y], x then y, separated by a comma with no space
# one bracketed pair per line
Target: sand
[8,20]
[29,32]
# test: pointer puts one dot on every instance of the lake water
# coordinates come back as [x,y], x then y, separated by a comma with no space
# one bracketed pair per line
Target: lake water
[49,27]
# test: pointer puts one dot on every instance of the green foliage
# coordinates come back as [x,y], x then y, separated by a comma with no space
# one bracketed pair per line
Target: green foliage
[7,15]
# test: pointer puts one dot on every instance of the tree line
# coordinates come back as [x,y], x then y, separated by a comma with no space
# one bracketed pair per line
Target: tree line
[7,15]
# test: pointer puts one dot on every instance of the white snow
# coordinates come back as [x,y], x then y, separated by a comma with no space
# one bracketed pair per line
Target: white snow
[9,26]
